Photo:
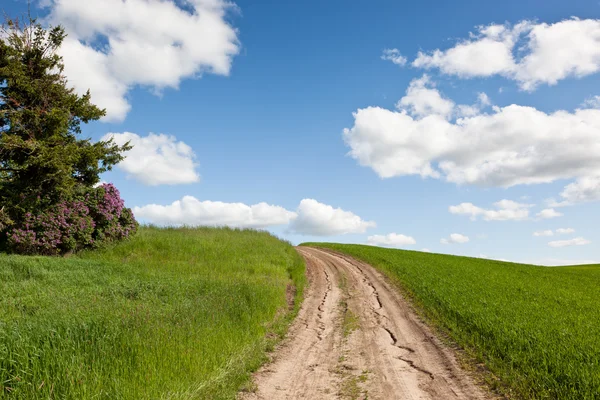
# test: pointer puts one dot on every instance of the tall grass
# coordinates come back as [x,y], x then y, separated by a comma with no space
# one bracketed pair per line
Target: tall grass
[170,314]
[537,329]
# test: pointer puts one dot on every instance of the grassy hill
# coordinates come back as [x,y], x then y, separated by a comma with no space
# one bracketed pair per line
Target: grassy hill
[173,314]
[537,329]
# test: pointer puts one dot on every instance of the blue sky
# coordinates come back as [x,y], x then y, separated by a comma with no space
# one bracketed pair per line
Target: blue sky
[258,96]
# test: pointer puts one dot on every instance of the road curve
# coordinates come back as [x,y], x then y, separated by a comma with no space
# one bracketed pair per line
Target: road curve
[355,337]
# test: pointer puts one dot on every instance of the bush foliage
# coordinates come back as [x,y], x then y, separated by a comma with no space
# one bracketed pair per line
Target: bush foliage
[75,225]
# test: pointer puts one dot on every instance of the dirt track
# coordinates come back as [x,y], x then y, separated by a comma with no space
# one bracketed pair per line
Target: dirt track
[355,337]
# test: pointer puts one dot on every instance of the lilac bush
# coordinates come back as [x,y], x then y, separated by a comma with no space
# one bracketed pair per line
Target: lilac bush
[99,217]
[113,220]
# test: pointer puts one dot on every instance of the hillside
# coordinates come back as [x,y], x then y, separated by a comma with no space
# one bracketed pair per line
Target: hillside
[535,328]
[172,313]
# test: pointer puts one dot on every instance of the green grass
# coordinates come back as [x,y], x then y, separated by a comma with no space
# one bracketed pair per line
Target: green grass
[537,329]
[170,314]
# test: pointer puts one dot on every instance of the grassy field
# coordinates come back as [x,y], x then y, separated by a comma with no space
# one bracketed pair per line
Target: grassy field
[171,314]
[537,329]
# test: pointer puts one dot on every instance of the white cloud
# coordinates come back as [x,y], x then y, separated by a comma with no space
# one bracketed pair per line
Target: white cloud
[548,213]
[488,54]
[311,217]
[554,262]
[320,219]
[114,45]
[506,210]
[422,100]
[157,159]
[571,242]
[560,231]
[193,212]
[394,56]
[455,238]
[530,53]
[591,102]
[493,258]
[560,50]
[509,146]
[392,240]
[426,250]
[583,190]
[483,99]
[565,231]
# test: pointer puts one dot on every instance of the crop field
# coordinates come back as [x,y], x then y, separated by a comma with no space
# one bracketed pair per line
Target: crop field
[171,314]
[537,329]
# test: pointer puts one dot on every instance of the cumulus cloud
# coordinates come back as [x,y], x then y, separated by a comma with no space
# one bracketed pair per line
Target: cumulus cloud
[528,52]
[422,99]
[391,240]
[114,45]
[157,159]
[548,213]
[190,211]
[584,190]
[559,231]
[310,218]
[591,102]
[506,210]
[455,238]
[394,56]
[571,242]
[488,53]
[512,145]
[320,219]
[565,231]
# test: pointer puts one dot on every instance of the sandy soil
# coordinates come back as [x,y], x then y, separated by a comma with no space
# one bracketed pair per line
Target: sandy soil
[355,337]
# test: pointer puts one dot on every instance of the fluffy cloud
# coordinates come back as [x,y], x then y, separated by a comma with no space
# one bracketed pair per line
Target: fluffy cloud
[530,53]
[591,102]
[311,217]
[193,212]
[506,210]
[559,231]
[114,45]
[455,238]
[392,240]
[157,159]
[565,231]
[489,53]
[583,190]
[394,56]
[509,146]
[571,242]
[548,213]
[422,100]
[320,219]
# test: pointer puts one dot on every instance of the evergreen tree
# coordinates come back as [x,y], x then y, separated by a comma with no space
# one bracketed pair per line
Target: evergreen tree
[42,160]
[48,200]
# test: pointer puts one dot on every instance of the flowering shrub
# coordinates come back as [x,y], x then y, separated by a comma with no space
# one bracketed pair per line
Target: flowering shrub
[98,218]
[113,220]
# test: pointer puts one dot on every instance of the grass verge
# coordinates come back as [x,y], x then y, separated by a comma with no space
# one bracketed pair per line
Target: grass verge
[170,314]
[536,328]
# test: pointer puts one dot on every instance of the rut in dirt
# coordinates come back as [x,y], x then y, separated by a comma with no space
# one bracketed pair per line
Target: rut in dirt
[355,337]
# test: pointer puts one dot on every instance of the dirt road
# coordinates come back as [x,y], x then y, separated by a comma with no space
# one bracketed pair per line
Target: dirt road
[356,338]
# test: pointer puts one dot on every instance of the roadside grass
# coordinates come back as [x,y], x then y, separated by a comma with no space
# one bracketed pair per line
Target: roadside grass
[170,314]
[537,329]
